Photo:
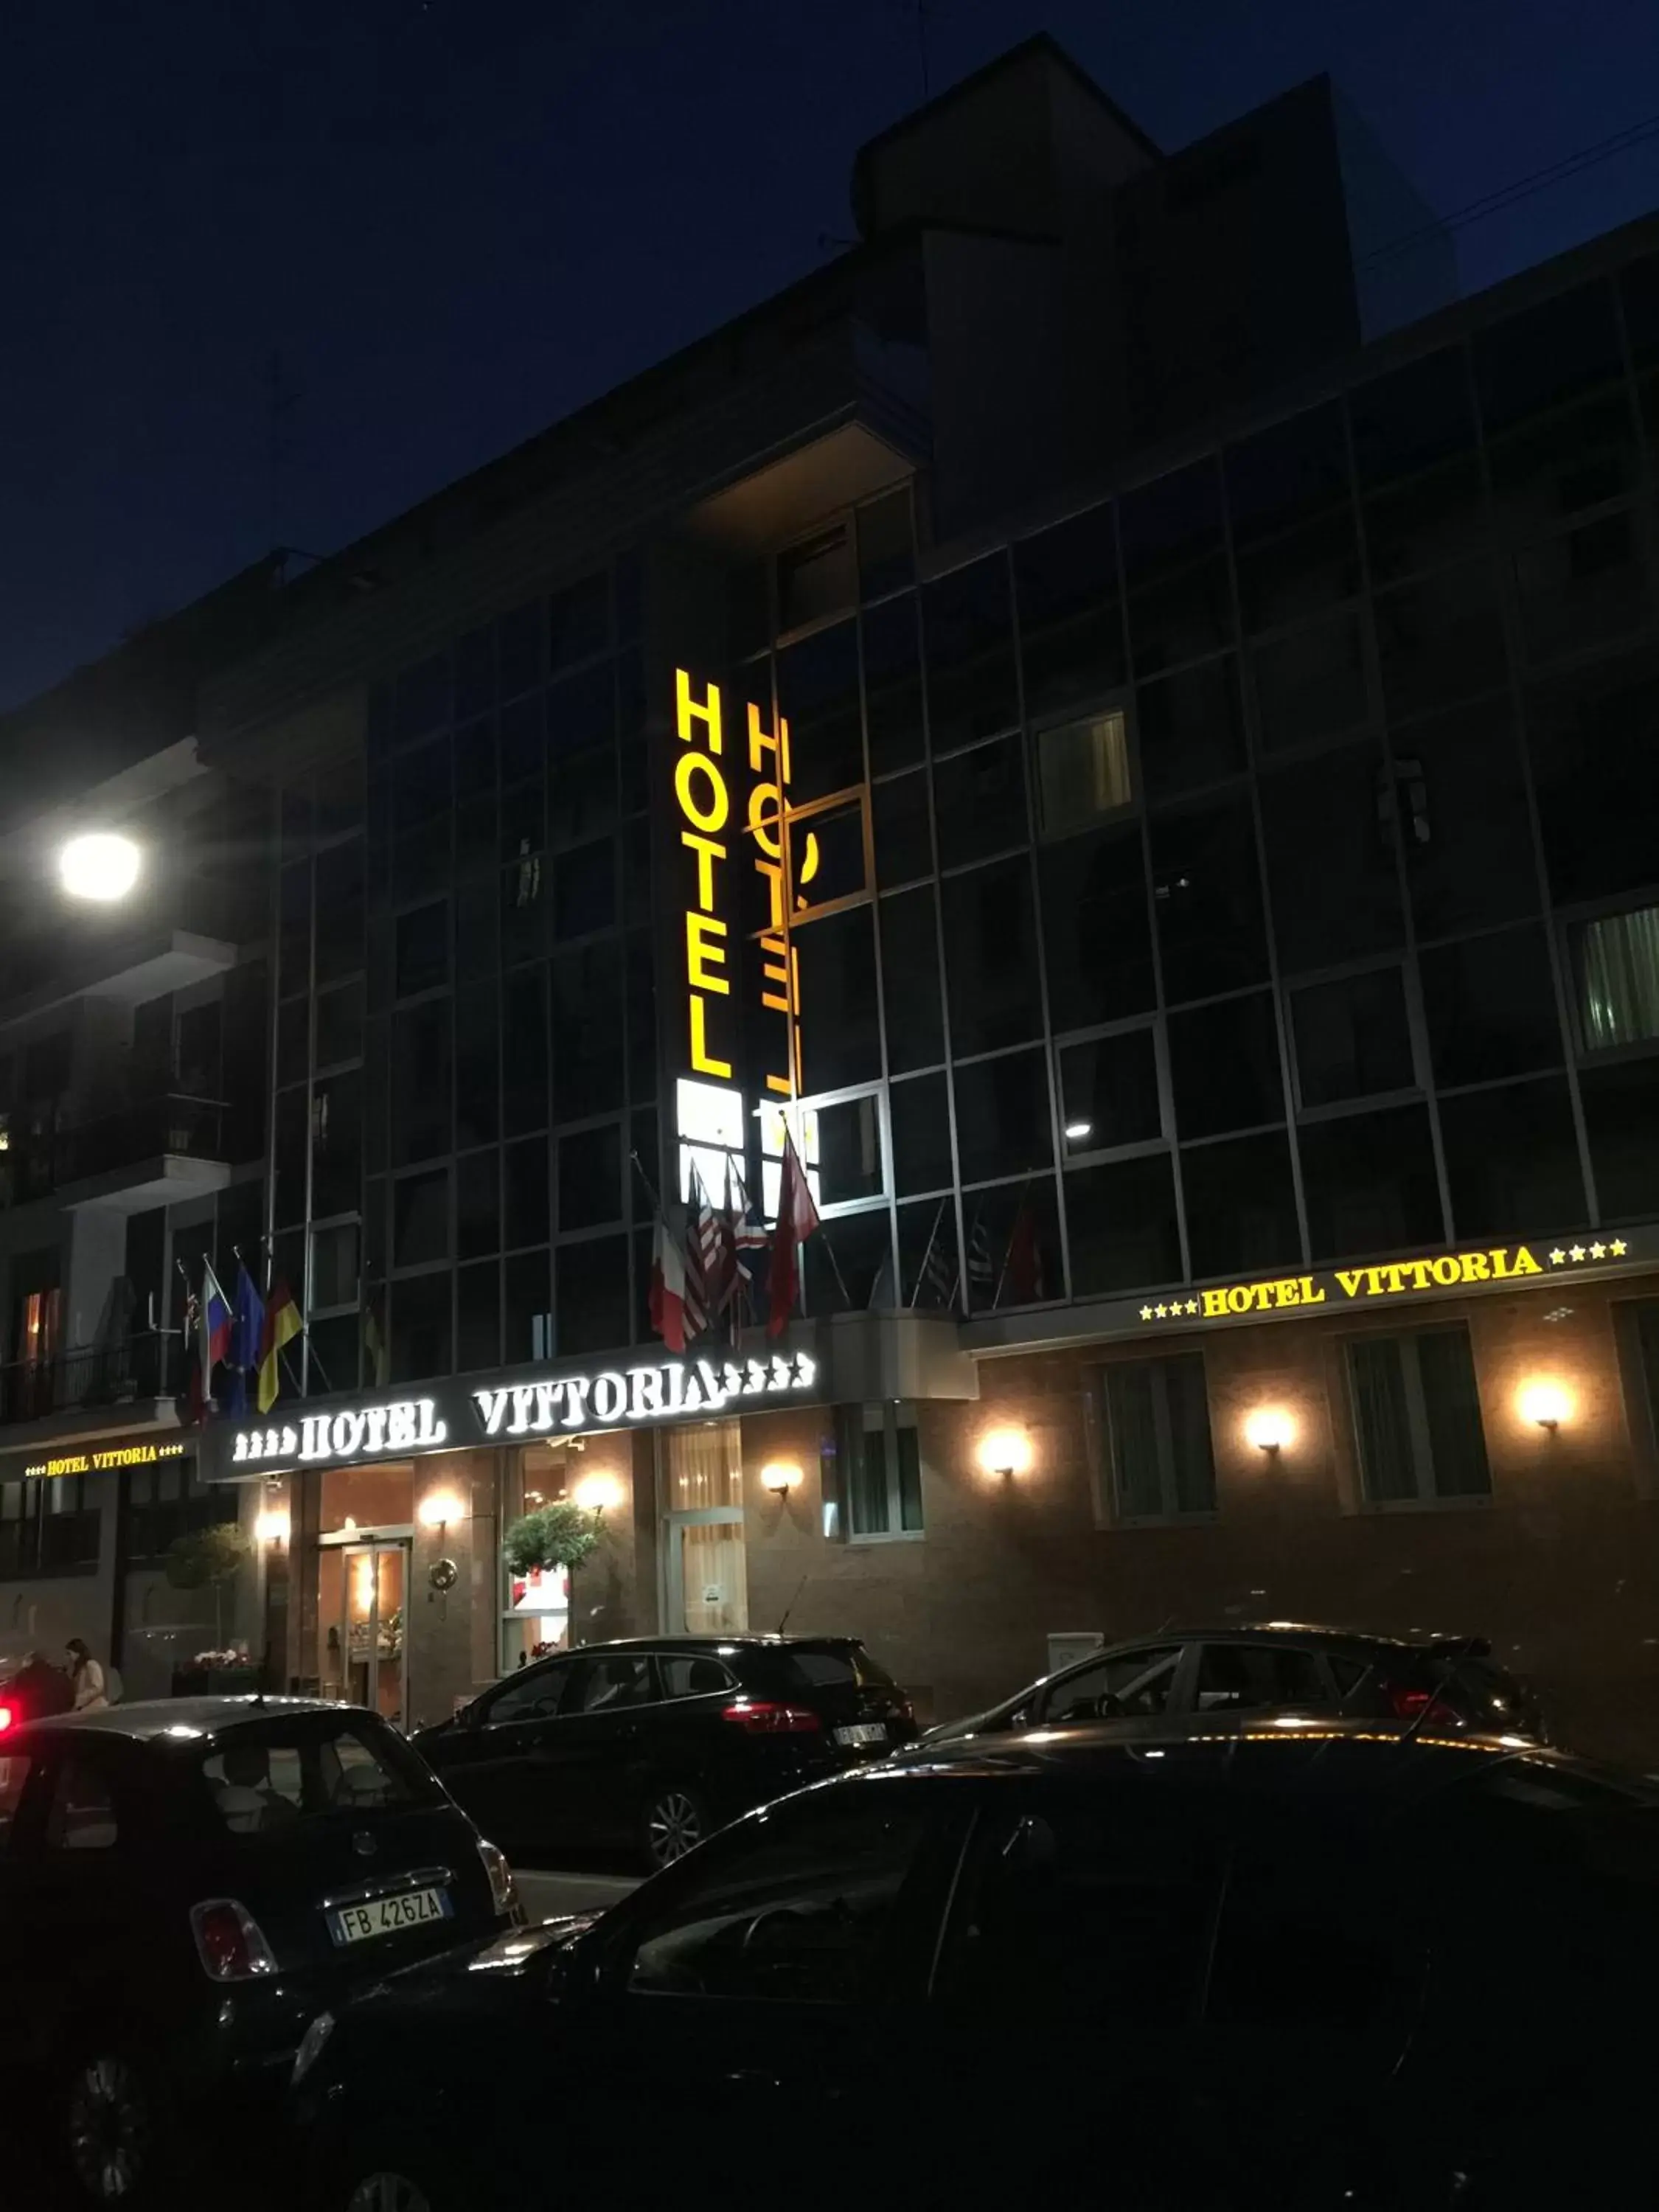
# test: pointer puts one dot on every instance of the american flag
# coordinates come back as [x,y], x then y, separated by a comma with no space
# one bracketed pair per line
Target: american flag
[711,1261]
[750,1237]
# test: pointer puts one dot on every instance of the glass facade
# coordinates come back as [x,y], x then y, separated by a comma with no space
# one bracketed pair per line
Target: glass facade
[1250,871]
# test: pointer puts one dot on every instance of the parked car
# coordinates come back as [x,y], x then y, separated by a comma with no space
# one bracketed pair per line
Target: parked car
[1320,1967]
[1451,1682]
[651,1744]
[183,1886]
[31,1688]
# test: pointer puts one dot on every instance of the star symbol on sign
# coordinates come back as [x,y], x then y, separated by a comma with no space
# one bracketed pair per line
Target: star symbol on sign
[1146,1313]
[1558,1259]
[1618,1248]
[1192,1305]
[1161,1311]
[1598,1251]
[1577,1252]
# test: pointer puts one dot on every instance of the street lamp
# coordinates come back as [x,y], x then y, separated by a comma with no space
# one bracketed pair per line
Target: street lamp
[100,866]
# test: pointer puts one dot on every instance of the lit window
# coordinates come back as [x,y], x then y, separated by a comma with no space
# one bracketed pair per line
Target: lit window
[1083,772]
[1618,979]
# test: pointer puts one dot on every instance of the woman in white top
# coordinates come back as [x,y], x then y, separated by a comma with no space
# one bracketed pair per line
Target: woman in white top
[87,1678]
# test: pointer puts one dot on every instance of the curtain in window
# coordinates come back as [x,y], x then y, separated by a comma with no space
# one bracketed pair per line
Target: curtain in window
[1618,967]
[865,1450]
[1134,1432]
[705,1466]
[1452,1409]
[1188,1407]
[1382,1421]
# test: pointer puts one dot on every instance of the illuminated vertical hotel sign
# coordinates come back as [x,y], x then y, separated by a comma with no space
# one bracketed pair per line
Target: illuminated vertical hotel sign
[709,1098]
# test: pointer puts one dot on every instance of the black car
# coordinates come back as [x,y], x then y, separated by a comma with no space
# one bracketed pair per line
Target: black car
[183,1886]
[1341,1966]
[1227,1673]
[651,1744]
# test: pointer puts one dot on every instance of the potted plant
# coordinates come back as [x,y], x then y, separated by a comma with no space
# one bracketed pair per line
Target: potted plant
[556,1536]
[210,1559]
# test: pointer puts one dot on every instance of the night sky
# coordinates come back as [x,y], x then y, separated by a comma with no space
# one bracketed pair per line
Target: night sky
[456,219]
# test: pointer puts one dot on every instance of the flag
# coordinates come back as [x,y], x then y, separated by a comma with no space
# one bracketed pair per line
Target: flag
[282,1326]
[1022,1264]
[710,1265]
[937,1274]
[212,1339]
[247,1319]
[751,1238]
[796,1218]
[375,1346]
[667,1300]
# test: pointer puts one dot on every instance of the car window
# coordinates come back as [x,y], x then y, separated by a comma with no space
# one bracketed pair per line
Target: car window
[81,1814]
[692,1675]
[267,1779]
[1237,1678]
[539,1692]
[607,1685]
[833,1667]
[803,1909]
[1349,1674]
[1098,1911]
[13,1773]
[1134,1683]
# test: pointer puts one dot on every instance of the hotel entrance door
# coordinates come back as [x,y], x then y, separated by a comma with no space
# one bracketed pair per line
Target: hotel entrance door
[363,1658]
[703,1566]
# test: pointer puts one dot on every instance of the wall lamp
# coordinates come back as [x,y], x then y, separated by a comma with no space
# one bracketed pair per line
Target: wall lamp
[438,1508]
[1269,1429]
[598,1493]
[1546,1403]
[271,1525]
[780,1477]
[1006,1452]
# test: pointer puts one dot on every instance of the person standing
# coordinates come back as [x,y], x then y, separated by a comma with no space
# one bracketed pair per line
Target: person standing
[87,1678]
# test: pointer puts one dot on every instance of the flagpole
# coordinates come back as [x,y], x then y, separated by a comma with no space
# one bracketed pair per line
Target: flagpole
[921,1272]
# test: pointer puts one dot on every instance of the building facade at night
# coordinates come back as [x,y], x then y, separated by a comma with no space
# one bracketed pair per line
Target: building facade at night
[1120,710]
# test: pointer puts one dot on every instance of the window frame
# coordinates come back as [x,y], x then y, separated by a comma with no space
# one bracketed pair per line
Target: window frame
[1109,1505]
[895,1413]
[1426,1499]
[1120,702]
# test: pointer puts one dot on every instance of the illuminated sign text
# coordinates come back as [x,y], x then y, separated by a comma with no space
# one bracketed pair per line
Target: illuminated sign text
[616,1395]
[1389,1279]
[106,1457]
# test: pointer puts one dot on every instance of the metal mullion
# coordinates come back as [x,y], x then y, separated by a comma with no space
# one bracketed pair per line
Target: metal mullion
[1417,1028]
[1518,698]
[1160,1012]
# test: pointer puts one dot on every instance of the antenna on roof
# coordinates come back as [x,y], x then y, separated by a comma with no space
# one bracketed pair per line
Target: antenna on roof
[790,1607]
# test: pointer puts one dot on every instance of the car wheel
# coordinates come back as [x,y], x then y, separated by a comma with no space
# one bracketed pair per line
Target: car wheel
[110,2124]
[387,2191]
[677,1819]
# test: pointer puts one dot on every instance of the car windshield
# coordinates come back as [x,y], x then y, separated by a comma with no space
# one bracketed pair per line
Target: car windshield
[265,1779]
[832,1666]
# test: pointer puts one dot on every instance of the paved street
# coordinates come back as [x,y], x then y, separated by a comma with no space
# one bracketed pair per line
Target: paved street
[548,1892]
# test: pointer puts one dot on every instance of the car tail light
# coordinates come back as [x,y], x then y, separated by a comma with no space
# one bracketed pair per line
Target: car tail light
[6,1716]
[503,1890]
[1418,1704]
[229,1942]
[762,1718]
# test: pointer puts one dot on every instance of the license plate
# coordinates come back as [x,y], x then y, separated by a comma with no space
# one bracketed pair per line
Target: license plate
[389,1916]
[863,1732]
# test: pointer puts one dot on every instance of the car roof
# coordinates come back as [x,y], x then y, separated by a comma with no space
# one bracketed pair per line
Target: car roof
[1287,1632]
[160,1718]
[1366,1750]
[743,1640]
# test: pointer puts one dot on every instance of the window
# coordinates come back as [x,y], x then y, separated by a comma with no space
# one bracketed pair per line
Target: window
[420,1218]
[334,1266]
[1157,1438]
[537,1697]
[881,1458]
[1224,1066]
[168,1500]
[1417,1417]
[971,687]
[1071,619]
[685,1674]
[979,801]
[1003,1121]
[1097,929]
[1240,1205]
[1490,1006]
[266,1779]
[910,980]
[1130,1684]
[816,578]
[590,1180]
[606,1686]
[799,1909]
[990,938]
[1206,889]
[1241,1678]
[1328,828]
[1083,772]
[1617,967]
[82,1814]
[1512,1160]
[1109,1092]
[1122,1222]
[422,949]
[849,1151]
[1352,1037]
[1192,728]
[1369,1184]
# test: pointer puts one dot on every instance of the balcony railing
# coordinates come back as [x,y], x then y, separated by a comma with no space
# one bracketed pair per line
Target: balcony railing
[147,1364]
[43,1155]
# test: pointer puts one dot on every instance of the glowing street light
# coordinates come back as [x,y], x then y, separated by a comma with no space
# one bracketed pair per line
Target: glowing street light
[100,866]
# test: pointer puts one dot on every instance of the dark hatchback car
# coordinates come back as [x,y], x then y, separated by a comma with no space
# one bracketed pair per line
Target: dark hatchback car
[1229,1674]
[1335,1967]
[183,1885]
[650,1744]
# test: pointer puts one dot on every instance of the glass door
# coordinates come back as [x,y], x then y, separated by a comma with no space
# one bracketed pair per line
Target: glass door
[366,1664]
[704,1566]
